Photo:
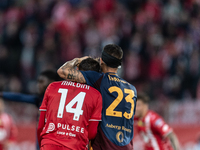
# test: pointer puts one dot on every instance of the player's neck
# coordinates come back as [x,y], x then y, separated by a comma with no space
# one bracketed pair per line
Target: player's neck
[144,113]
[109,69]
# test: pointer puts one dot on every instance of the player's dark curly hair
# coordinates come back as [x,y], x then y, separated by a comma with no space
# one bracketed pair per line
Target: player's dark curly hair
[89,64]
[113,50]
[143,97]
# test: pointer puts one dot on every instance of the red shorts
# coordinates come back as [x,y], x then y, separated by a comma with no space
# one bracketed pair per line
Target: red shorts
[101,142]
[53,147]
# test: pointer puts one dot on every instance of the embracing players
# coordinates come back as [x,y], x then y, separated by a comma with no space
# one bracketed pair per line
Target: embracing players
[119,99]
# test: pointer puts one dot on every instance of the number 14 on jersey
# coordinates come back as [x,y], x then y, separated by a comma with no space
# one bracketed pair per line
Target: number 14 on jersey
[79,98]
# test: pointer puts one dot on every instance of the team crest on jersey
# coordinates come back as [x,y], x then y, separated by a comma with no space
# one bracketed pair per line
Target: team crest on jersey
[140,123]
[120,137]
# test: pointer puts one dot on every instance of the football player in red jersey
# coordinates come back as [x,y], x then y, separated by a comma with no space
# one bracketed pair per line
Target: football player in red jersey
[70,113]
[8,130]
[155,132]
[43,80]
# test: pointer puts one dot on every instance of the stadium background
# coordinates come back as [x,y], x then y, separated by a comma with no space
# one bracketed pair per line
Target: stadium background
[160,39]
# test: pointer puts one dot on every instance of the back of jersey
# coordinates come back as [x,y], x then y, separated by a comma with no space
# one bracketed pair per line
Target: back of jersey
[69,107]
[119,101]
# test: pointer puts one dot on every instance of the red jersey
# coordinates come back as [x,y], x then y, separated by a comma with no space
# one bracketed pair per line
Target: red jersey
[8,130]
[153,130]
[69,107]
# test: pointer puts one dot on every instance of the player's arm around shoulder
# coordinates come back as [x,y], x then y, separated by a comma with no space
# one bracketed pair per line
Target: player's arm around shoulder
[68,71]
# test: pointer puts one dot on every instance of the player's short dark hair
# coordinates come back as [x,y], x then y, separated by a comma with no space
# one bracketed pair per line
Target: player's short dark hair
[89,64]
[113,50]
[51,75]
[143,97]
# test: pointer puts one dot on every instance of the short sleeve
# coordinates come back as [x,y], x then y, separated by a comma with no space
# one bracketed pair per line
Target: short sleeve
[43,106]
[91,77]
[96,115]
[161,126]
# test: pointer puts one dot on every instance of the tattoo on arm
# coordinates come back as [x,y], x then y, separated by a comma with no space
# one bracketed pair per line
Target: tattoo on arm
[70,73]
[70,76]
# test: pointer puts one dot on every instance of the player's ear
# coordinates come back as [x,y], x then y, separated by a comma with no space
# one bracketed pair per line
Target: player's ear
[101,61]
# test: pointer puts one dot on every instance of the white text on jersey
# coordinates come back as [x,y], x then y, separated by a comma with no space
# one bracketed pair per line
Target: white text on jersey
[74,84]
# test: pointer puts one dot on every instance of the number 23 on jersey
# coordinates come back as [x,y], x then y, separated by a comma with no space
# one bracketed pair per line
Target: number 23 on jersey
[129,98]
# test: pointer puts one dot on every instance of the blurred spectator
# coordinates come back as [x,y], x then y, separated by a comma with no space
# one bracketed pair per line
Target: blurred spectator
[198,90]
[160,39]
[8,130]
[4,59]
[132,62]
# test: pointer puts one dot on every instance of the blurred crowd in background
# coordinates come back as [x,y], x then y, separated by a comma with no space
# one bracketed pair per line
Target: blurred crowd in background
[160,40]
